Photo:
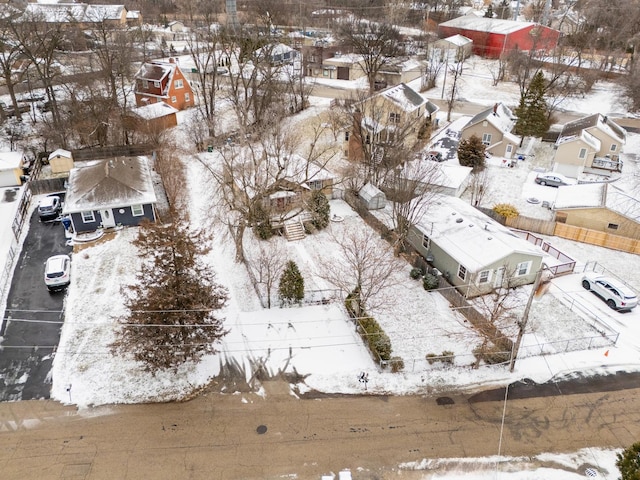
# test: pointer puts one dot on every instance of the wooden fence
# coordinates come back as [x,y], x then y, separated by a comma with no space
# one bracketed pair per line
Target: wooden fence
[595,237]
[538,225]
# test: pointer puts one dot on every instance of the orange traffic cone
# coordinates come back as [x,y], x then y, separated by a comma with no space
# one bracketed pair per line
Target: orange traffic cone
[606,354]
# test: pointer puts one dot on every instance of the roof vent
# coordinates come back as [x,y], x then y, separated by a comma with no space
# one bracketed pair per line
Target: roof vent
[471,224]
[459,220]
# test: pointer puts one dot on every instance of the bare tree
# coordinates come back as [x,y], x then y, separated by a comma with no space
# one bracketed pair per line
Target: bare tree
[381,138]
[10,52]
[455,71]
[249,173]
[378,43]
[435,62]
[478,187]
[411,187]
[363,267]
[268,266]
[39,43]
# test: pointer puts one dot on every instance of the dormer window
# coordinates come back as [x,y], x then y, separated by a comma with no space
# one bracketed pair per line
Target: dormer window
[156,84]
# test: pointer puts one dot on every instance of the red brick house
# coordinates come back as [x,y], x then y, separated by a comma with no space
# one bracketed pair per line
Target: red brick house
[492,37]
[160,81]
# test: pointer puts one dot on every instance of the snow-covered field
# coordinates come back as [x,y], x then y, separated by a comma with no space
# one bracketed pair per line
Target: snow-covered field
[320,342]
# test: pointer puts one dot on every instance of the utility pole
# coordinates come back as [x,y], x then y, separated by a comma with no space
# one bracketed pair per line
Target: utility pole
[523,323]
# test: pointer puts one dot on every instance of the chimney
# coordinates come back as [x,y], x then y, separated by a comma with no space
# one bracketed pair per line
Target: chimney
[495,108]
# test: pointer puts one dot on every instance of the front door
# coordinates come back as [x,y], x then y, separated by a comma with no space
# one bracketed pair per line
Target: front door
[107,218]
[509,153]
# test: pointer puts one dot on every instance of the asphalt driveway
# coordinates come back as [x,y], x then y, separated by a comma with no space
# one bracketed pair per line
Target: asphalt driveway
[32,322]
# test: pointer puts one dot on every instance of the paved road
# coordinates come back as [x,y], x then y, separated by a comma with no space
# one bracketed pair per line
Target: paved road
[218,436]
[24,367]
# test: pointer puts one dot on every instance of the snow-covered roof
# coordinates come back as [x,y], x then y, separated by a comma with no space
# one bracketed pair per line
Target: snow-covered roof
[583,136]
[155,71]
[73,12]
[458,40]
[404,96]
[346,59]
[277,49]
[469,236]
[598,195]
[11,160]
[499,116]
[110,183]
[489,25]
[451,175]
[154,110]
[599,121]
[585,195]
[60,152]
[369,191]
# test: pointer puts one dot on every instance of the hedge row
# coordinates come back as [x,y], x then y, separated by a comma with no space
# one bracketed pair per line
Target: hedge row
[370,330]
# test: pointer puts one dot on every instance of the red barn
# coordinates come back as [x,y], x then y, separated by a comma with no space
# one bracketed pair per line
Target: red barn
[492,37]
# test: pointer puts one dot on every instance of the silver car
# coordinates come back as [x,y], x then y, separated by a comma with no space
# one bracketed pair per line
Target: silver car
[552,179]
[615,293]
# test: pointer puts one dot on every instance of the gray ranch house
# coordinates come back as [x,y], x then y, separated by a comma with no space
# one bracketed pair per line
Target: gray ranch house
[473,252]
[108,193]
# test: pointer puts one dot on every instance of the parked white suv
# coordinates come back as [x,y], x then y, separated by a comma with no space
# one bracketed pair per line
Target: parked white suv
[615,293]
[57,272]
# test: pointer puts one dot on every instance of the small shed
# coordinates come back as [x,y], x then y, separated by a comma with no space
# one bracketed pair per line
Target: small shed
[60,161]
[372,197]
[11,168]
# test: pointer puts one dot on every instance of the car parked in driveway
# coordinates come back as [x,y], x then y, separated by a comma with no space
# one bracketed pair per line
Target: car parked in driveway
[49,207]
[435,156]
[57,272]
[552,179]
[613,292]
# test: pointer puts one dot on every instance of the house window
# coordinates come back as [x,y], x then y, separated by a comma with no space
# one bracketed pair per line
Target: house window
[523,268]
[367,139]
[137,210]
[484,276]
[174,99]
[145,84]
[187,97]
[178,83]
[315,184]
[614,147]
[462,272]
[583,153]
[394,117]
[156,84]
[325,73]
[426,242]
[613,226]
[486,139]
[88,217]
[346,136]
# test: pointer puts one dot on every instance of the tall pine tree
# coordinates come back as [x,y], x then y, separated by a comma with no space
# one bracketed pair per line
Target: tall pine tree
[173,303]
[319,207]
[533,112]
[291,288]
[628,462]
[471,153]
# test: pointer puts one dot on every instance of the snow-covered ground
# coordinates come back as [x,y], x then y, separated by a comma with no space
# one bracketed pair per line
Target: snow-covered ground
[320,343]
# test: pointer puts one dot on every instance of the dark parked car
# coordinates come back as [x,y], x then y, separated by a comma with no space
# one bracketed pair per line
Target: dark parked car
[552,179]
[435,156]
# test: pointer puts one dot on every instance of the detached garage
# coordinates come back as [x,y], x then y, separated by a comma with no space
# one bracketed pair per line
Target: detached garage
[11,168]
[492,37]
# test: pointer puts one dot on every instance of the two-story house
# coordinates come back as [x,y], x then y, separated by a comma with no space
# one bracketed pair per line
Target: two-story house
[160,81]
[589,144]
[494,126]
[381,118]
